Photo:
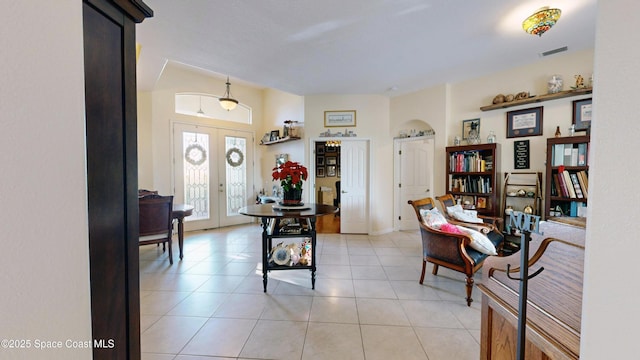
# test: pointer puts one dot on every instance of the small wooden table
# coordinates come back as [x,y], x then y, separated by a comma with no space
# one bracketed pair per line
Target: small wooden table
[180,211]
[269,216]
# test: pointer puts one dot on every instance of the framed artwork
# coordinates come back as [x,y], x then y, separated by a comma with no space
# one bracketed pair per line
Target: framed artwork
[320,171]
[582,114]
[521,154]
[527,122]
[331,160]
[481,203]
[331,170]
[340,118]
[275,134]
[466,127]
[320,160]
[281,159]
[319,148]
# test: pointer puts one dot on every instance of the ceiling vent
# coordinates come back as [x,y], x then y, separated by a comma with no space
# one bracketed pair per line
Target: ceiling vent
[554,51]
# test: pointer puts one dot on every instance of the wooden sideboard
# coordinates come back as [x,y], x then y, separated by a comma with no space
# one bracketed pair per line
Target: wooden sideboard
[554,305]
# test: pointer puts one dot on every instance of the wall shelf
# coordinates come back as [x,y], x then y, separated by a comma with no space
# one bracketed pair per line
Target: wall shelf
[537,99]
[288,138]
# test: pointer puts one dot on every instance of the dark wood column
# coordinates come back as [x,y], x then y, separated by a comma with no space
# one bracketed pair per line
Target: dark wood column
[112,180]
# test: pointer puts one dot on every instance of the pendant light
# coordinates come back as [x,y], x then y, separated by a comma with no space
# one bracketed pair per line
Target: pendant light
[200,112]
[227,102]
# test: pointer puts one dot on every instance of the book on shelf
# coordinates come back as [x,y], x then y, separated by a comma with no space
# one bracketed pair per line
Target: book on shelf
[576,185]
[582,154]
[569,184]
[562,188]
[558,155]
[584,182]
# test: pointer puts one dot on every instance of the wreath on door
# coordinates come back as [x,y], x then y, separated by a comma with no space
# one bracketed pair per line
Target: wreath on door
[235,157]
[195,154]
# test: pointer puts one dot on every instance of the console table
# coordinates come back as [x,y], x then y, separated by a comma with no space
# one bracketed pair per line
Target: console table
[271,216]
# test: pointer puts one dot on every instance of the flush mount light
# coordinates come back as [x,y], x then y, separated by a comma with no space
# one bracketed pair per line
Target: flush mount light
[541,21]
[227,102]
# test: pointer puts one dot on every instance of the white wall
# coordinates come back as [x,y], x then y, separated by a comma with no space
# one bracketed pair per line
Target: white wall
[372,122]
[44,238]
[610,310]
[175,79]
[444,107]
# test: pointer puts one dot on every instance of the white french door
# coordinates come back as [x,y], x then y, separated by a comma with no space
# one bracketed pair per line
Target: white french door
[213,171]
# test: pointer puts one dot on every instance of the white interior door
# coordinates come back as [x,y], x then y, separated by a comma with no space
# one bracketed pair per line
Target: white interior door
[213,171]
[415,177]
[354,187]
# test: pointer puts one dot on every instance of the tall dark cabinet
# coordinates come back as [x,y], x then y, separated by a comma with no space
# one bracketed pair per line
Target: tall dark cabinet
[112,181]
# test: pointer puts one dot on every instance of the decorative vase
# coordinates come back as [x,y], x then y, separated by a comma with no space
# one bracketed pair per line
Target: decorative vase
[292,196]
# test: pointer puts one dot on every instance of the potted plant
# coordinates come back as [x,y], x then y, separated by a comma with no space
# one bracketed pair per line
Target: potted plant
[291,176]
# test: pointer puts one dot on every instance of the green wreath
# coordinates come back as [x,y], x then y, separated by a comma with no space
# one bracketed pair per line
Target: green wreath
[195,154]
[239,157]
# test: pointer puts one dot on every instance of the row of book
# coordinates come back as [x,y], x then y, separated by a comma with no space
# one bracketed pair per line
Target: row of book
[572,208]
[470,184]
[570,154]
[574,185]
[470,161]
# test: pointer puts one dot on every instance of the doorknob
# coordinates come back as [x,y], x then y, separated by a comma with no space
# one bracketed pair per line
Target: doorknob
[344,192]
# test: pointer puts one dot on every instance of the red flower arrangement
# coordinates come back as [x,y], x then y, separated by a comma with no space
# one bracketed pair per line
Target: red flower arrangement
[291,175]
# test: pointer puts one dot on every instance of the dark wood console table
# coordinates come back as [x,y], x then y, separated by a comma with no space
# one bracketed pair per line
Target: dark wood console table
[270,216]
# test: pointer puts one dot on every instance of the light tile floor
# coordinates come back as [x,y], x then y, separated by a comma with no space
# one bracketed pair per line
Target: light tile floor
[367,303]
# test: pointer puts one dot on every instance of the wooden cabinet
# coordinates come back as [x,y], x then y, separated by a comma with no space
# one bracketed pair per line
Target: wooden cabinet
[472,176]
[566,191]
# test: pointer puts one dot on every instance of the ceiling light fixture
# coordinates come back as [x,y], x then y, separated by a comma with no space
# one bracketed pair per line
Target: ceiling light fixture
[227,102]
[541,21]
[200,112]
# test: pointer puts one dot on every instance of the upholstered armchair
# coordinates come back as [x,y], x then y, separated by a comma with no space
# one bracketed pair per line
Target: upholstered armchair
[450,250]
[489,224]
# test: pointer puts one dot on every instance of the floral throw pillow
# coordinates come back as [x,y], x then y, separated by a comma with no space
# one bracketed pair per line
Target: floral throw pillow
[433,218]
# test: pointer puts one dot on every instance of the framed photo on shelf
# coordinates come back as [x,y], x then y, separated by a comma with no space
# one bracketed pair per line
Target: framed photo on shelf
[340,118]
[582,114]
[320,171]
[481,203]
[331,160]
[320,160]
[331,170]
[466,127]
[526,122]
[275,134]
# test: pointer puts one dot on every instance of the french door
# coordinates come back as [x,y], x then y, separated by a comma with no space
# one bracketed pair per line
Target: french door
[213,171]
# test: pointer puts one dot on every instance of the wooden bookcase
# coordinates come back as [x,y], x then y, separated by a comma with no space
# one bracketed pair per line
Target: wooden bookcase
[572,153]
[472,176]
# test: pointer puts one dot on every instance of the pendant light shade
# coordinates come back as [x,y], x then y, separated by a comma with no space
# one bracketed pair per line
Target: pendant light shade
[227,102]
[541,21]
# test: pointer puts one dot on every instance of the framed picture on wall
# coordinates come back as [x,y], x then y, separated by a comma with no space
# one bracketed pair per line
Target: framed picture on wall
[319,148]
[331,170]
[527,122]
[320,171]
[331,160]
[340,118]
[320,160]
[466,127]
[582,114]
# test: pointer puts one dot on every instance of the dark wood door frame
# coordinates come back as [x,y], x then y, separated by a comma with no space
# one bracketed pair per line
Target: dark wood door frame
[112,181]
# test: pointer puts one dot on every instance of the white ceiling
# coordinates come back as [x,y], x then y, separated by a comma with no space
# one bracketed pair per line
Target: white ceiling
[385,47]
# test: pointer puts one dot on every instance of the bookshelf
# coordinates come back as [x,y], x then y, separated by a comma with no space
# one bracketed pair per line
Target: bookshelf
[566,191]
[472,176]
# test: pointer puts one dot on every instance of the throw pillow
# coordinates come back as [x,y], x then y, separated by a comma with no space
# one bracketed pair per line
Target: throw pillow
[433,218]
[458,213]
[479,241]
[450,228]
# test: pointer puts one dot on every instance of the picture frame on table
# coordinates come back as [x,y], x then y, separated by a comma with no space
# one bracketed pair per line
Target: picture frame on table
[466,127]
[281,159]
[320,171]
[582,114]
[275,134]
[340,118]
[526,122]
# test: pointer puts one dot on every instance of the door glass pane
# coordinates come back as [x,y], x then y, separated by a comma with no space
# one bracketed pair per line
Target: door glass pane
[196,174]
[236,170]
